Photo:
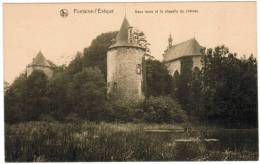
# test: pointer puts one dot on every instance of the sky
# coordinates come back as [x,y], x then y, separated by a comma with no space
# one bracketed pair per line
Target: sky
[30,28]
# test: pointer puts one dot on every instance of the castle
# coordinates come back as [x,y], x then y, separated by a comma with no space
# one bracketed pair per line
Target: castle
[175,53]
[125,67]
[126,77]
[42,64]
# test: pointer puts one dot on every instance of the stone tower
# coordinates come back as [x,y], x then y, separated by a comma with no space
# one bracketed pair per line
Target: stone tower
[42,64]
[125,63]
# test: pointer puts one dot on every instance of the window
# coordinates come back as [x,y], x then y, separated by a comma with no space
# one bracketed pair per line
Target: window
[115,85]
[138,69]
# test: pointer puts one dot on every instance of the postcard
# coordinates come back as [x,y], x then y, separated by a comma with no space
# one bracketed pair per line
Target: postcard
[92,82]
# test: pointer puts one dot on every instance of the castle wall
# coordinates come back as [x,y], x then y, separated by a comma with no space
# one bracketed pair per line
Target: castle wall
[174,66]
[197,62]
[124,74]
[48,71]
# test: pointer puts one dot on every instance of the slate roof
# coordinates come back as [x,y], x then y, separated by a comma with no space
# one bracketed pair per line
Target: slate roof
[122,36]
[40,60]
[188,48]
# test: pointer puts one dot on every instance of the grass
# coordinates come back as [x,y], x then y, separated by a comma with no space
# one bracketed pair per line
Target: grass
[88,141]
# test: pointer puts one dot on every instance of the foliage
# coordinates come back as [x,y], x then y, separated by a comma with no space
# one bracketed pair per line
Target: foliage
[37,101]
[230,87]
[195,104]
[158,79]
[163,109]
[15,93]
[87,92]
[59,105]
[224,91]
[6,86]
[96,54]
[75,66]
[126,112]
[30,101]
[88,141]
[182,83]
[141,40]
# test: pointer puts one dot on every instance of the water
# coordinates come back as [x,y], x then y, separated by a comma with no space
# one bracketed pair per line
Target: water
[220,139]
[236,139]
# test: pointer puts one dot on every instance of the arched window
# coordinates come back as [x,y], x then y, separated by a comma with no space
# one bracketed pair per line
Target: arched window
[196,69]
[196,72]
[176,74]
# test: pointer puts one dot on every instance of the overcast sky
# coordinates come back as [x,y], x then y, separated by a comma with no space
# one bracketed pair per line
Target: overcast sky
[30,28]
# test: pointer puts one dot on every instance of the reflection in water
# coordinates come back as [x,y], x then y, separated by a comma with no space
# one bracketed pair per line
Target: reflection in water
[221,139]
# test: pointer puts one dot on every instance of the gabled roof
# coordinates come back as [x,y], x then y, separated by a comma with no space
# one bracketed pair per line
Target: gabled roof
[188,48]
[40,60]
[122,36]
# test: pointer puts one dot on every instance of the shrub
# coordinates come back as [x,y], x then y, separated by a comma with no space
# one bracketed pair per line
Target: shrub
[163,109]
[87,92]
[125,112]
[189,151]
[46,117]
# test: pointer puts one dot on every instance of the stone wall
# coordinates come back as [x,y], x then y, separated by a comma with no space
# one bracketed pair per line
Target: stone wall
[197,62]
[176,64]
[124,74]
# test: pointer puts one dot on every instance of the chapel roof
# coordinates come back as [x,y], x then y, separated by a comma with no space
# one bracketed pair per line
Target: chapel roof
[187,48]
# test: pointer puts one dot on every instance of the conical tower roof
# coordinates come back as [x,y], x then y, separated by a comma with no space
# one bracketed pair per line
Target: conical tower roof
[122,36]
[40,60]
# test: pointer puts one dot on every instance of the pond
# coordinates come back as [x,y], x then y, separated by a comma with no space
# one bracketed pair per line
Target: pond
[236,139]
[217,139]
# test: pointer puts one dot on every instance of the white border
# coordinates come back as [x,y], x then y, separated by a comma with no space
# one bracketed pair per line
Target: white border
[2,160]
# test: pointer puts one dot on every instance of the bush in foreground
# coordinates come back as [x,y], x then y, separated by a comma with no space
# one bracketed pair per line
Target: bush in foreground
[163,109]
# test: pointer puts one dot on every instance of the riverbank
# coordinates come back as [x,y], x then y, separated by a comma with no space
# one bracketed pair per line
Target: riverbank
[88,141]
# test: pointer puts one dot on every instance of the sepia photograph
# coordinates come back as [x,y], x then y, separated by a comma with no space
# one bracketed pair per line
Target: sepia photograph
[146,81]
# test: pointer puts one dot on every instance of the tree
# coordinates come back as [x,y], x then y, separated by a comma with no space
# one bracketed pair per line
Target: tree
[88,94]
[195,103]
[96,54]
[248,86]
[37,101]
[175,84]
[159,81]
[185,81]
[75,66]
[6,86]
[59,105]
[141,40]
[163,109]
[14,100]
[229,86]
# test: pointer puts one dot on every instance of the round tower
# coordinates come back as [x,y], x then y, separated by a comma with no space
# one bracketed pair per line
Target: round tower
[125,67]
[42,64]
